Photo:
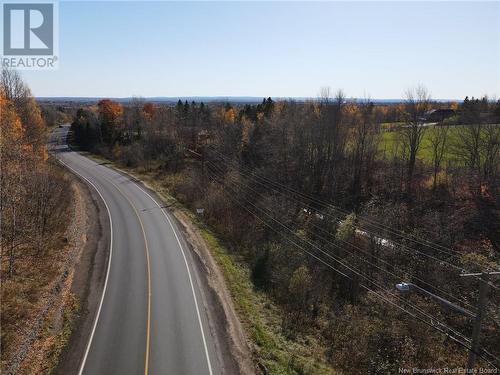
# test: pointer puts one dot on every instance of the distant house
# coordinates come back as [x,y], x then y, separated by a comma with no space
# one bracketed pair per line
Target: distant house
[438,115]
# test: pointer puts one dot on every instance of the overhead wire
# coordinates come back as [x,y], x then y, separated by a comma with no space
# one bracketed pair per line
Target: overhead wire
[399,233]
[398,277]
[312,199]
[443,328]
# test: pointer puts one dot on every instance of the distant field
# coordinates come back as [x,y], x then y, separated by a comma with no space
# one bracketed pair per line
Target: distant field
[390,137]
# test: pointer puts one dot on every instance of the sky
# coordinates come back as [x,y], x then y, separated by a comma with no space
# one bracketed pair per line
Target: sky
[281,49]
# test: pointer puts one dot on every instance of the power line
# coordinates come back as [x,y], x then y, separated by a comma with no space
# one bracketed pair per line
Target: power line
[399,233]
[398,277]
[460,300]
[344,212]
[489,317]
[343,263]
[402,246]
[312,199]
[443,328]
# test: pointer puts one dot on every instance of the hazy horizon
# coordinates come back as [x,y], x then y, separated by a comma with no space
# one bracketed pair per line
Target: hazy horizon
[219,98]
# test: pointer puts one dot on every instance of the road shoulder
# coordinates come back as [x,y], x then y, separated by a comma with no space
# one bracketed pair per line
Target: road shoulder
[224,322]
[88,278]
[233,347]
[245,323]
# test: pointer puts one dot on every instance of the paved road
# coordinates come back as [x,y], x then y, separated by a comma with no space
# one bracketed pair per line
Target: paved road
[151,319]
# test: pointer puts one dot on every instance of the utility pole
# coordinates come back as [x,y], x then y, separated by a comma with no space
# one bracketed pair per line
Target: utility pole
[203,168]
[478,317]
[481,312]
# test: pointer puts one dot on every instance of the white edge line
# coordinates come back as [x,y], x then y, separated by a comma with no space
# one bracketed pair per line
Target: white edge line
[80,371]
[82,365]
[189,275]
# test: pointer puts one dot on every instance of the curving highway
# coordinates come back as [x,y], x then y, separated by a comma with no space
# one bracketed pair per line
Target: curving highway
[150,319]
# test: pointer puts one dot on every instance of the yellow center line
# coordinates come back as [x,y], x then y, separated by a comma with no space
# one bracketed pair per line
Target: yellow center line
[148,329]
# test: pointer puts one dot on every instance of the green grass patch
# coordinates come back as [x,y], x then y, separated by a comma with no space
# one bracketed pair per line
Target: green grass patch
[389,140]
[261,319]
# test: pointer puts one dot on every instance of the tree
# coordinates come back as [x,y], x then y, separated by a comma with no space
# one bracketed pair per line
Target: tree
[327,142]
[438,141]
[467,147]
[86,130]
[12,137]
[417,103]
[110,113]
[365,144]
[496,113]
[490,150]
[347,228]
[149,110]
[134,120]
[18,94]
[29,200]
[299,290]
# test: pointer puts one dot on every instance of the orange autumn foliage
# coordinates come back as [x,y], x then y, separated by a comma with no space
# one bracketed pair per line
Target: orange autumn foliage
[12,134]
[109,110]
[149,110]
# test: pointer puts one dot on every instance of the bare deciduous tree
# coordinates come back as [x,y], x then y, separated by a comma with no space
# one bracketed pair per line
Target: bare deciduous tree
[417,103]
[438,143]
[365,143]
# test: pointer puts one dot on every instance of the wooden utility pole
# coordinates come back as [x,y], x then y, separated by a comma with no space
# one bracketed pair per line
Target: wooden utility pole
[481,312]
[476,330]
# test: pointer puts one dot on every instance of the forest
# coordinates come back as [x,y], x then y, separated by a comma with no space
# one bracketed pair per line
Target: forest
[34,202]
[330,203]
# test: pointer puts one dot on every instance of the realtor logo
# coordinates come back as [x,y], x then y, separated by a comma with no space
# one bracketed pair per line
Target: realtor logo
[29,34]
[28,29]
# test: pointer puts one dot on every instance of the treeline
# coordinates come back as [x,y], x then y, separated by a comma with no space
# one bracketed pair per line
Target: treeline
[330,212]
[33,201]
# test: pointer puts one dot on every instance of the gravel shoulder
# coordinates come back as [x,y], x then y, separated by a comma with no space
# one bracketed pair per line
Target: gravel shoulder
[224,322]
[88,276]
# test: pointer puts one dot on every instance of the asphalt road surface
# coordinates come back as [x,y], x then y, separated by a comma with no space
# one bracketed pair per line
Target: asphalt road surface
[150,319]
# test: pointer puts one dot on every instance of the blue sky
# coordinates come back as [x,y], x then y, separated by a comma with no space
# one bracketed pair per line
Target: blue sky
[285,49]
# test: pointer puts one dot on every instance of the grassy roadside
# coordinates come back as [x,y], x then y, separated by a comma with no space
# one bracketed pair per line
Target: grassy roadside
[261,319]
